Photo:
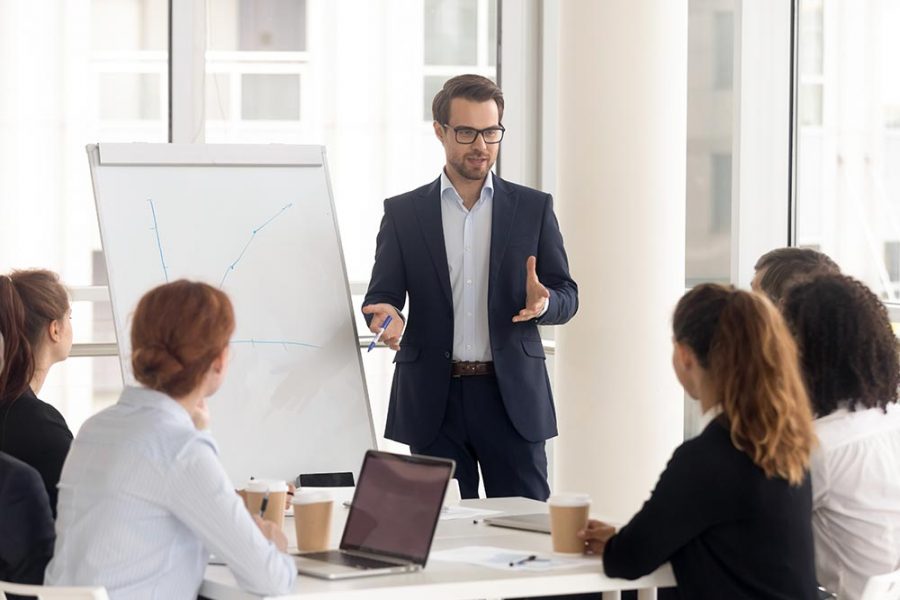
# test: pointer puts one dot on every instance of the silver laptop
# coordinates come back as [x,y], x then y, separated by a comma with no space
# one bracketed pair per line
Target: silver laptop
[538,522]
[392,519]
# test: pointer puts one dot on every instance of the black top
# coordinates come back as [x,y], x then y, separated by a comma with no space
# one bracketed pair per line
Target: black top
[728,530]
[26,526]
[35,433]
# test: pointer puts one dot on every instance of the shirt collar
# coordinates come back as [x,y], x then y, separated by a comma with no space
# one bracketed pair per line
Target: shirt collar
[487,190]
[147,398]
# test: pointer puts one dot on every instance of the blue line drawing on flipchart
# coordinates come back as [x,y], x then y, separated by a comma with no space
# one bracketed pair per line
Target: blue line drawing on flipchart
[252,341]
[274,342]
[155,229]
[232,266]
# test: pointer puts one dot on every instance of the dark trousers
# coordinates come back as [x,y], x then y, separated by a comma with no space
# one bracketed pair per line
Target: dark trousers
[476,430]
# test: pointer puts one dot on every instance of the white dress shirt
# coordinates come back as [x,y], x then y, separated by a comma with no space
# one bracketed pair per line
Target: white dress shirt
[143,501]
[856,498]
[467,238]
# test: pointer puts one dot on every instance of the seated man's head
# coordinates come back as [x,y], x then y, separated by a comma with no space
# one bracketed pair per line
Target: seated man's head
[848,351]
[779,269]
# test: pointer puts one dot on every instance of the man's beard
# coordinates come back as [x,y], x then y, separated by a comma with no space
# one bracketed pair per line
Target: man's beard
[473,173]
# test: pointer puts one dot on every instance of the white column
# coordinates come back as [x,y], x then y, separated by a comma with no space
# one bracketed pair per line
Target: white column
[622,147]
[520,56]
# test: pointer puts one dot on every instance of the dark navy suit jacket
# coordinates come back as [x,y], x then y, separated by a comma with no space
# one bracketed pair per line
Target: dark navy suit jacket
[411,258]
[26,525]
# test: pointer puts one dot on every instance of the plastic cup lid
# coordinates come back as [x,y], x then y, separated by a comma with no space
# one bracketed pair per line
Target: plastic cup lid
[256,485]
[569,500]
[311,497]
[266,485]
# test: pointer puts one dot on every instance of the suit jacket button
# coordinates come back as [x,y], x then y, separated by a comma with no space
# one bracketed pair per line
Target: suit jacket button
[446,355]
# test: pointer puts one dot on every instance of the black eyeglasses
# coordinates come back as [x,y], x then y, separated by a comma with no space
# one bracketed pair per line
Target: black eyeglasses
[467,135]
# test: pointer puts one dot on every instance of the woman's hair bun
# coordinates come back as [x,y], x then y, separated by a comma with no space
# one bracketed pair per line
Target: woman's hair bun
[177,331]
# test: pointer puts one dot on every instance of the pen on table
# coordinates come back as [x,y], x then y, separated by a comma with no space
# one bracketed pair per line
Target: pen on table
[384,326]
[514,563]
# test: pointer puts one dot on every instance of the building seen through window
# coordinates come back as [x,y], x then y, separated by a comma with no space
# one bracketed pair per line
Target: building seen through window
[848,155]
[711,39]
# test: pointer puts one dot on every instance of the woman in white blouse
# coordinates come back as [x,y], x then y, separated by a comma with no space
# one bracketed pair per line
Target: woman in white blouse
[143,497]
[850,362]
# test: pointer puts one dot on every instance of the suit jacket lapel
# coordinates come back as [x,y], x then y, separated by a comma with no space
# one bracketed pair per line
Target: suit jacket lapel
[502,216]
[428,211]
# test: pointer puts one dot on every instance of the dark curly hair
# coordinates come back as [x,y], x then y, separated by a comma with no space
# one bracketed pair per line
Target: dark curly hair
[781,268]
[848,350]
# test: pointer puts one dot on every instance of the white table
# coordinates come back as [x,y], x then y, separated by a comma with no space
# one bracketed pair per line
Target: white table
[453,581]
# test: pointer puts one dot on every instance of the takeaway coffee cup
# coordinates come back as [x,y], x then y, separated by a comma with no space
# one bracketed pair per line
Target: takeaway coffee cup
[568,516]
[312,518]
[272,492]
[452,496]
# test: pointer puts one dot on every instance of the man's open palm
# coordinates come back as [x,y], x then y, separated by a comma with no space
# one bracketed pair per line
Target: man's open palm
[536,295]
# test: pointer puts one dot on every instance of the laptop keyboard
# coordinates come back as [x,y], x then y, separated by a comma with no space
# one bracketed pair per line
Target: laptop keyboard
[337,557]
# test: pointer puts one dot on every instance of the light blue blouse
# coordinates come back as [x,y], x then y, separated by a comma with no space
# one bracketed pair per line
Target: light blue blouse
[143,501]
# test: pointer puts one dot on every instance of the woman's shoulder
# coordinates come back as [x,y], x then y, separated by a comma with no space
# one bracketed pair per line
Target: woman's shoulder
[17,474]
[715,435]
[712,450]
[30,409]
[149,425]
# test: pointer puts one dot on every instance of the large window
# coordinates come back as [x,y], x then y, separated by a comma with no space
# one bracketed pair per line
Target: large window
[355,76]
[73,73]
[460,37]
[848,165]
[351,75]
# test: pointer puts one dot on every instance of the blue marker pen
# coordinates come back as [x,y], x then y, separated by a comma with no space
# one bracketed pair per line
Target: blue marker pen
[384,327]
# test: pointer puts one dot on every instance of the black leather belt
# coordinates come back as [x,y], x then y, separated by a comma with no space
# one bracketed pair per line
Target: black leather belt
[463,368]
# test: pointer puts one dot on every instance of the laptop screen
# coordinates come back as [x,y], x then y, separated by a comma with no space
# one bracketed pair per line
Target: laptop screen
[396,505]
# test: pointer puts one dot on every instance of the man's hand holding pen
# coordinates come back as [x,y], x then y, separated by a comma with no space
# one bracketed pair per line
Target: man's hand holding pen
[394,330]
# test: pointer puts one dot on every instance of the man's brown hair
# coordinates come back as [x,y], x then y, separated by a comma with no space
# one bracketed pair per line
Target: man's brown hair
[470,87]
[783,268]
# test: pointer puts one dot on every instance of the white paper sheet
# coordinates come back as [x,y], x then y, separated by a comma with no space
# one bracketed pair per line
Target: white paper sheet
[513,560]
[462,512]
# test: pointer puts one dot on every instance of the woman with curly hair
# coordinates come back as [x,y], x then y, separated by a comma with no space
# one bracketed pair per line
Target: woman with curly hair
[731,511]
[850,362]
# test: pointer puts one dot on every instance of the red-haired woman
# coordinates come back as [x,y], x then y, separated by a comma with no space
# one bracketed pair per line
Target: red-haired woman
[35,320]
[731,511]
[143,496]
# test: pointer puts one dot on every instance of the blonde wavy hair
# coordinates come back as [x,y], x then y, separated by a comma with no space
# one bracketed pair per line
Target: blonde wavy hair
[744,344]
